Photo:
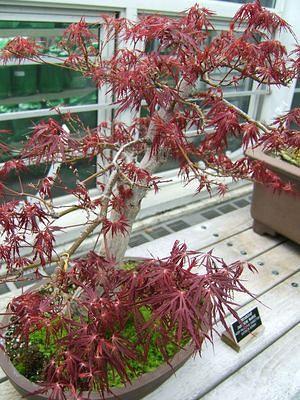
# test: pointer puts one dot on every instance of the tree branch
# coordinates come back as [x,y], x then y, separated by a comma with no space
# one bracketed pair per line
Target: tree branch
[244,115]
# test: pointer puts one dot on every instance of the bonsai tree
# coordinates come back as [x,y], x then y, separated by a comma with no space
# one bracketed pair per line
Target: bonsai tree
[84,310]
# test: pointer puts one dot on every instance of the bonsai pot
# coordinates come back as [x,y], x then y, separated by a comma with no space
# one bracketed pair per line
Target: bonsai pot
[276,212]
[139,388]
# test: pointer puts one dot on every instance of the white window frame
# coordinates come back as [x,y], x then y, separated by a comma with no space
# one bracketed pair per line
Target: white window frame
[103,105]
[220,22]
[132,8]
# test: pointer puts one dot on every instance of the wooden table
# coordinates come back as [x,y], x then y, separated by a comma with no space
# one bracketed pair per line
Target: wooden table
[268,368]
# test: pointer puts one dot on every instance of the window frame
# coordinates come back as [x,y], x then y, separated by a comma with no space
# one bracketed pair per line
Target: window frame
[223,12]
[221,23]
[103,104]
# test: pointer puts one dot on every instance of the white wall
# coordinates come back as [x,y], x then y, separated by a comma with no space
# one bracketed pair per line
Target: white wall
[166,6]
[280,99]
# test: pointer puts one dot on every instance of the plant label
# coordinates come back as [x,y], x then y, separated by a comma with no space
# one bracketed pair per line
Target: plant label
[249,322]
[243,330]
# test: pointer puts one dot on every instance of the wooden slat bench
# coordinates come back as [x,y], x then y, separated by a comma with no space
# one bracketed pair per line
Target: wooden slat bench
[268,368]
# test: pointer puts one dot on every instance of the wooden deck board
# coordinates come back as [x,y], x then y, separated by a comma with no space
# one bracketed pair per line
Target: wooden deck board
[278,263]
[274,266]
[244,246]
[274,374]
[8,392]
[201,374]
[195,236]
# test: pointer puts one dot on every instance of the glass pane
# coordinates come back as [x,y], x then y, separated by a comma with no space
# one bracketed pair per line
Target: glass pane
[144,112]
[67,179]
[243,85]
[241,102]
[41,86]
[31,87]
[295,103]
[35,87]
[31,176]
[48,34]
[296,100]
[234,143]
[265,3]
[19,129]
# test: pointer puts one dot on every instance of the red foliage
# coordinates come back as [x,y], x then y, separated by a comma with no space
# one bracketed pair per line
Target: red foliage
[118,226]
[45,187]
[48,142]
[259,19]
[44,244]
[183,303]
[12,166]
[78,32]
[250,134]
[21,49]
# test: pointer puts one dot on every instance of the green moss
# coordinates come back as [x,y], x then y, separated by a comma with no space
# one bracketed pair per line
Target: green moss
[154,357]
[291,156]
[31,361]
[129,265]
[46,347]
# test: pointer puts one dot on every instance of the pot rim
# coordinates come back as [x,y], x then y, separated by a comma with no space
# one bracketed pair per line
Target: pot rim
[142,381]
[276,164]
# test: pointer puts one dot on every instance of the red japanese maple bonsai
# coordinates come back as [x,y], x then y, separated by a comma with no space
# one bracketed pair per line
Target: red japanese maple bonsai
[89,301]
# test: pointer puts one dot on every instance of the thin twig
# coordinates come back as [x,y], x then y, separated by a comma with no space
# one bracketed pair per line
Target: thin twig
[242,113]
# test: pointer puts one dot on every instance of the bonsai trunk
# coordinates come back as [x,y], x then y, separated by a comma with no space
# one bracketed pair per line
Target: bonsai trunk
[117,245]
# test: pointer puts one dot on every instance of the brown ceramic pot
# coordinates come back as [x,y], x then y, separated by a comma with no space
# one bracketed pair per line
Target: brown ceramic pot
[276,212]
[139,388]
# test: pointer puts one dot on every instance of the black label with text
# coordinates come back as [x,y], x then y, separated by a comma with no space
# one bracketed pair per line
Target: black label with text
[249,322]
